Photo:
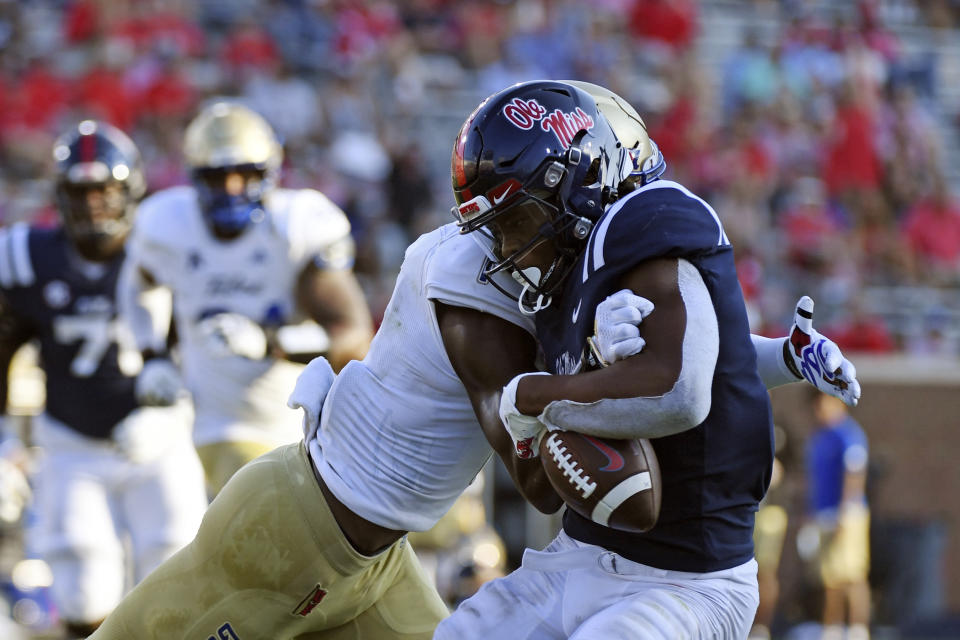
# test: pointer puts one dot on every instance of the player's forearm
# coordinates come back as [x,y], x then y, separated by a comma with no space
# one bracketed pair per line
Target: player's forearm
[146,308]
[348,343]
[639,376]
[528,476]
[683,407]
[661,391]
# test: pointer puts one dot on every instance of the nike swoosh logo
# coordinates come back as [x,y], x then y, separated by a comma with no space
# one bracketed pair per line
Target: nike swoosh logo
[576,312]
[615,461]
[498,200]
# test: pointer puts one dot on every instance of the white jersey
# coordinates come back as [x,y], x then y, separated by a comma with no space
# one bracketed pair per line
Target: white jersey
[398,439]
[253,275]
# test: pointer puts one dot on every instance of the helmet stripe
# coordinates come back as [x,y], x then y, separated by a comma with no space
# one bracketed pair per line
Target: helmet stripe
[88,148]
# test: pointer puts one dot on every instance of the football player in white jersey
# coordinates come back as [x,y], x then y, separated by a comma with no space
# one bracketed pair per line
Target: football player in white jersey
[261,281]
[118,486]
[308,540]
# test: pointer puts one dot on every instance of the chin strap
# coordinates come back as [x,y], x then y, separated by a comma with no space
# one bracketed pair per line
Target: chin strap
[527,277]
[541,303]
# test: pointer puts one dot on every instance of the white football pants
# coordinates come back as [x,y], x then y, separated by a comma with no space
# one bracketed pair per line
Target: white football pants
[584,592]
[91,501]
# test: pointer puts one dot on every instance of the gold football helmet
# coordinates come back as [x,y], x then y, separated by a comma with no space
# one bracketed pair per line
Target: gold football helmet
[227,135]
[648,162]
[234,157]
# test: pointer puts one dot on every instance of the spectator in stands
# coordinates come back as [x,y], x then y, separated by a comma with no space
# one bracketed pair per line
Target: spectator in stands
[932,230]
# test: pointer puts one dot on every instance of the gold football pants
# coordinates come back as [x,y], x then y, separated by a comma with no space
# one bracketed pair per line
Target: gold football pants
[270,563]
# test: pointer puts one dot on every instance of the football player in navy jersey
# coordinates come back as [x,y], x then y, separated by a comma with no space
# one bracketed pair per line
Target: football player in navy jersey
[111,471]
[583,222]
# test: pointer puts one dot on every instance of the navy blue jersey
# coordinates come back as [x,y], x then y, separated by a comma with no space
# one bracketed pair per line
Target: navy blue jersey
[69,306]
[714,474]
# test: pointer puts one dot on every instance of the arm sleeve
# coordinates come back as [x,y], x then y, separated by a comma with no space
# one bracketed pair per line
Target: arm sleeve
[145,309]
[771,365]
[685,406]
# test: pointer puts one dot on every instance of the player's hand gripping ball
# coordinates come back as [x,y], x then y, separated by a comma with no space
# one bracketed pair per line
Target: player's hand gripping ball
[615,483]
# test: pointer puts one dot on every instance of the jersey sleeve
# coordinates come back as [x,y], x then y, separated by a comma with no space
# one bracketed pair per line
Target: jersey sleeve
[157,234]
[660,220]
[319,231]
[453,275]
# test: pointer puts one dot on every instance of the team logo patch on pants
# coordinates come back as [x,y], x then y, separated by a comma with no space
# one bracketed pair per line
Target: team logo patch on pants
[312,600]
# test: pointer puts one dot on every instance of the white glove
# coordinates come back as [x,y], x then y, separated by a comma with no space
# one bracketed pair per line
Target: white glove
[526,431]
[616,326]
[232,334]
[158,384]
[818,359]
[310,391]
[142,438]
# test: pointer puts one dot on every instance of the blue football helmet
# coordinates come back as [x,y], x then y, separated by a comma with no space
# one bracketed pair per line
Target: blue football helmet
[99,180]
[540,150]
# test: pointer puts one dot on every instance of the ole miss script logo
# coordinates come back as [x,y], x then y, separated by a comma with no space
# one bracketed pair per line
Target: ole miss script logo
[523,114]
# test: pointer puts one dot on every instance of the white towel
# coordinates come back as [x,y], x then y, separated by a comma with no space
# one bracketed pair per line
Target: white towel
[312,386]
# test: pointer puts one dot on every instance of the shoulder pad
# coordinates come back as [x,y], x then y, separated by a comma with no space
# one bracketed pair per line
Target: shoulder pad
[16,266]
[164,217]
[661,219]
[453,274]
[307,214]
[314,227]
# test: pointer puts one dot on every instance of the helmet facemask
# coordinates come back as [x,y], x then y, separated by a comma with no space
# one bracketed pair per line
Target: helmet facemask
[97,216]
[230,208]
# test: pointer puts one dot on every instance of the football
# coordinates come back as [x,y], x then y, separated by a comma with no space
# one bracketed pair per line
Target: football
[615,483]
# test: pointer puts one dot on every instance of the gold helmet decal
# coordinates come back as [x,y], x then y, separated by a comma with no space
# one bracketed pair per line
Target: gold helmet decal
[628,126]
[228,134]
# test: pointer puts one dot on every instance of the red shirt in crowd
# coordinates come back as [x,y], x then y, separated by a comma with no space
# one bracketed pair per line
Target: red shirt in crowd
[852,160]
[862,334]
[932,229]
[102,93]
[672,22]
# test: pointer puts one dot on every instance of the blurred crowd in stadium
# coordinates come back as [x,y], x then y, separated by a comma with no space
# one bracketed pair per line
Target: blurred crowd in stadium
[819,141]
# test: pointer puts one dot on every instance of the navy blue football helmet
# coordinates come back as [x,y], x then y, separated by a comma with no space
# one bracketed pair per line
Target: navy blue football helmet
[99,181]
[541,148]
